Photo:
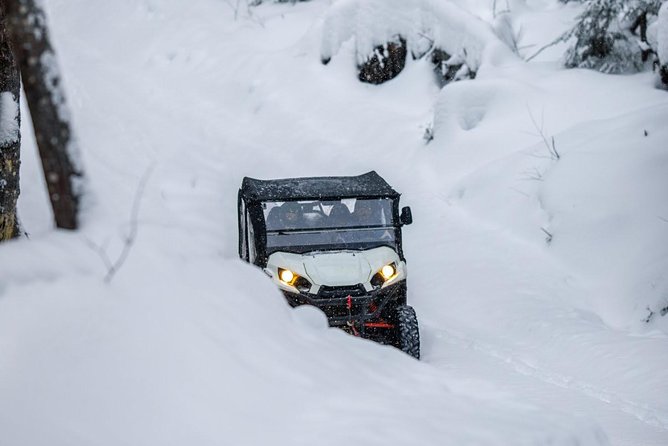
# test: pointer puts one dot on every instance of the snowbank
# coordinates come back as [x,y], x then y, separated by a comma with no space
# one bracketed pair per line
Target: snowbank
[599,207]
[209,353]
[187,346]
[606,197]
[463,106]
[422,23]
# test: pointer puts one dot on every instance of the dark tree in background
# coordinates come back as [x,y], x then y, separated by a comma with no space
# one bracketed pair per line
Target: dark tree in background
[26,23]
[10,136]
[600,43]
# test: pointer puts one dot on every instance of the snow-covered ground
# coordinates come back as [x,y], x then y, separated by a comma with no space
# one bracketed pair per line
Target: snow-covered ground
[532,276]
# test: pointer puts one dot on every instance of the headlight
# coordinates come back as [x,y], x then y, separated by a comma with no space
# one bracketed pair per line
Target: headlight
[286,276]
[292,279]
[388,271]
[385,274]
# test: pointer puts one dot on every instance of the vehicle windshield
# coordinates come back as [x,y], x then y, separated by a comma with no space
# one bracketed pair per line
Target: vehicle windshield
[302,226]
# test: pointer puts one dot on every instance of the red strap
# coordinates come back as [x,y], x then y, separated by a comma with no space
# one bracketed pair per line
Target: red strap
[378,325]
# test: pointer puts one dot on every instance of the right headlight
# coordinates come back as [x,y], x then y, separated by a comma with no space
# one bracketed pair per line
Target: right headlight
[293,279]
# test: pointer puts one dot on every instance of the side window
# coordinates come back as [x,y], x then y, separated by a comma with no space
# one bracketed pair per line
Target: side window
[250,236]
[243,233]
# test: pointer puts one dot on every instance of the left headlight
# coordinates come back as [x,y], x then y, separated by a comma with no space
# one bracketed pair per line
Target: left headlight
[293,279]
[388,271]
[385,274]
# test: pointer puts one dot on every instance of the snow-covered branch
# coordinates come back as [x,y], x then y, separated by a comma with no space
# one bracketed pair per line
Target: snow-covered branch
[423,24]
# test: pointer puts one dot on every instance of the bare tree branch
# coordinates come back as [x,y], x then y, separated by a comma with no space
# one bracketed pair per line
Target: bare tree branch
[549,237]
[520,192]
[99,250]
[559,39]
[112,267]
[134,226]
[534,174]
[551,145]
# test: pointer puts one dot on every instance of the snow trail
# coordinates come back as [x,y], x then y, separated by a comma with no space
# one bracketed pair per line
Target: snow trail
[509,331]
[652,416]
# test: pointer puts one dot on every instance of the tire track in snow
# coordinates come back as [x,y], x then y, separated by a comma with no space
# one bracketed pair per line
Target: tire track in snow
[643,412]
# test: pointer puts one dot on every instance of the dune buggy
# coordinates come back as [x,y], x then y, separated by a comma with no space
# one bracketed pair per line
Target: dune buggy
[335,243]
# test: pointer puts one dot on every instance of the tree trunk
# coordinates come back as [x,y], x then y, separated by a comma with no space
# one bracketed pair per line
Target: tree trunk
[662,47]
[44,93]
[10,136]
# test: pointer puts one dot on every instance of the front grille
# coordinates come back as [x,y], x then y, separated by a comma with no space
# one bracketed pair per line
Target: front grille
[342,312]
[329,292]
[364,306]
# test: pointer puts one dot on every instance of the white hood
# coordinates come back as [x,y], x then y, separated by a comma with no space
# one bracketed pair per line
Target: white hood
[339,268]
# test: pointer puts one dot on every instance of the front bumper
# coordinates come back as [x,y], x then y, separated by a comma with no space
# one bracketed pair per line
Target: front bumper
[353,306]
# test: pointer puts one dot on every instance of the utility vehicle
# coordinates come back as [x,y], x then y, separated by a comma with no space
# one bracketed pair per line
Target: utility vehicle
[335,243]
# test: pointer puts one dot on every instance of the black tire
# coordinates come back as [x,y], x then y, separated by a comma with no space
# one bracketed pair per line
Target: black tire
[407,331]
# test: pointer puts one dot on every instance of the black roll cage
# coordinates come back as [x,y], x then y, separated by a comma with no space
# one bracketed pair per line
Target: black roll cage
[254,192]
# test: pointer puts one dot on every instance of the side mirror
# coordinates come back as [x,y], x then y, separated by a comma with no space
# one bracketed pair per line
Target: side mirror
[406,217]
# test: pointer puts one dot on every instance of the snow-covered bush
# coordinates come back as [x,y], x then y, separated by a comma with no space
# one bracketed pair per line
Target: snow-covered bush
[611,36]
[449,68]
[662,43]
[426,26]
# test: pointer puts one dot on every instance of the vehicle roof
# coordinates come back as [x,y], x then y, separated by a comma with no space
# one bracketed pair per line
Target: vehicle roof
[368,185]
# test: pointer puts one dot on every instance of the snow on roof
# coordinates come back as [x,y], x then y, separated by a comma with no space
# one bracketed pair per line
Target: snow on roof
[420,22]
[367,185]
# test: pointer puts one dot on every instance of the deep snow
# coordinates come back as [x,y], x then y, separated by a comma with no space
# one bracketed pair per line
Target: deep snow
[524,342]
[422,23]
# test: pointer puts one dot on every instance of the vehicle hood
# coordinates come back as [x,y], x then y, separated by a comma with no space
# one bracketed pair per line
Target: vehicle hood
[336,269]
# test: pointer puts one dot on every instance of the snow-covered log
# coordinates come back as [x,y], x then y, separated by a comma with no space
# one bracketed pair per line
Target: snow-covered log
[10,136]
[50,116]
[425,25]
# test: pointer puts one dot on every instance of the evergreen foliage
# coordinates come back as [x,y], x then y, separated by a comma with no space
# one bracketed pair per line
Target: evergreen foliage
[611,36]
